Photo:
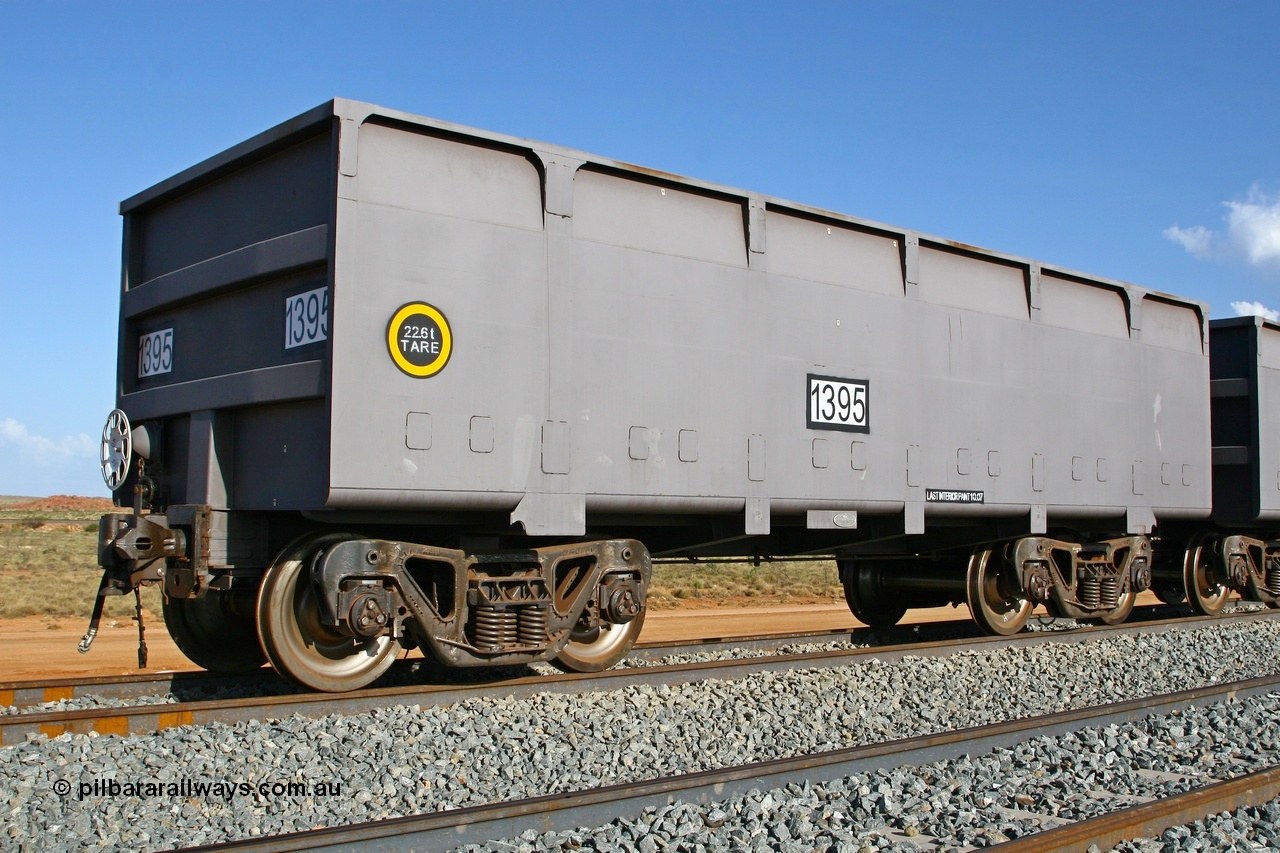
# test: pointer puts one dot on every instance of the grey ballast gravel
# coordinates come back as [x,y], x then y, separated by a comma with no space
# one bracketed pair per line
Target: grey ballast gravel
[407,760]
[969,802]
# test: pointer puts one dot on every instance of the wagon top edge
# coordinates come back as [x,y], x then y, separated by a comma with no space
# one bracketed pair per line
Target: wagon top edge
[321,118]
[1246,320]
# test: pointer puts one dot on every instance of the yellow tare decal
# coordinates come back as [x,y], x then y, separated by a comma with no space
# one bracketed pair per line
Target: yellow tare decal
[419,339]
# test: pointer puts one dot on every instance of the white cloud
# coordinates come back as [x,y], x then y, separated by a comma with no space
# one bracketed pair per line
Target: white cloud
[1197,239]
[1246,309]
[46,451]
[1254,226]
[1252,232]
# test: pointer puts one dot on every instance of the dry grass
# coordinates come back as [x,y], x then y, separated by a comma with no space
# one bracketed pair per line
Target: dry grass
[51,570]
[744,584]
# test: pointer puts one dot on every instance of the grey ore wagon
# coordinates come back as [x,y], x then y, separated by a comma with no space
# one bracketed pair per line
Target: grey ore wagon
[386,381]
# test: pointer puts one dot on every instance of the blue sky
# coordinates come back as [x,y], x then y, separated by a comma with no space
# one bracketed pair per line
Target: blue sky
[1137,141]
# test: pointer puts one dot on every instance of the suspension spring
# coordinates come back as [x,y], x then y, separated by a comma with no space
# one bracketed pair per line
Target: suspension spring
[1089,592]
[494,628]
[1109,593]
[531,626]
[1273,576]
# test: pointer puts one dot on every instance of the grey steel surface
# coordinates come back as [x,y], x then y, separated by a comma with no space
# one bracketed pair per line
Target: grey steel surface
[565,812]
[1245,405]
[628,341]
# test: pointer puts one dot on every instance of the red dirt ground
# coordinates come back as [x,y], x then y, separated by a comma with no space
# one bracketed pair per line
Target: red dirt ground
[38,647]
[65,503]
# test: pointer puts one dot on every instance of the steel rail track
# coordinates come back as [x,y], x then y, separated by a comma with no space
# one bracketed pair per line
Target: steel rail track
[194,684]
[139,719]
[26,693]
[564,812]
[1151,819]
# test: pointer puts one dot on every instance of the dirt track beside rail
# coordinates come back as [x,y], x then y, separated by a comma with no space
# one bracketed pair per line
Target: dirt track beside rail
[40,647]
[37,647]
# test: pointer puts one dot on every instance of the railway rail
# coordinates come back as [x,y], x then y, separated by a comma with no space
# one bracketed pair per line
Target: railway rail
[192,685]
[144,718]
[565,812]
[415,759]
[202,684]
[1151,819]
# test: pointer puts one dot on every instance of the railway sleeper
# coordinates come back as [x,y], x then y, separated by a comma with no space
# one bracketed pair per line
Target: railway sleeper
[1084,580]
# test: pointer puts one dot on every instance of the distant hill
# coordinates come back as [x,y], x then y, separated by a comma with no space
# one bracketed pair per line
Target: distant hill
[57,503]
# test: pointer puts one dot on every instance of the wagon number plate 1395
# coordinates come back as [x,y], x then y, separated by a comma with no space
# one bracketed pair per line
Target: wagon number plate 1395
[840,404]
[155,353]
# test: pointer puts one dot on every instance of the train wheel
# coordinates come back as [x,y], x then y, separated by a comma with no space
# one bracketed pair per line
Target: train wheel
[867,600]
[1206,593]
[297,643]
[1120,612]
[993,600]
[213,633]
[600,648]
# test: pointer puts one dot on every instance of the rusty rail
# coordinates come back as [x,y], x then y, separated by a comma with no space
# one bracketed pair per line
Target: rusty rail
[141,719]
[1152,819]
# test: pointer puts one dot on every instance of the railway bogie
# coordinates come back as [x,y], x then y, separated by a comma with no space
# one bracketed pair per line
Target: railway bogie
[476,379]
[335,609]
